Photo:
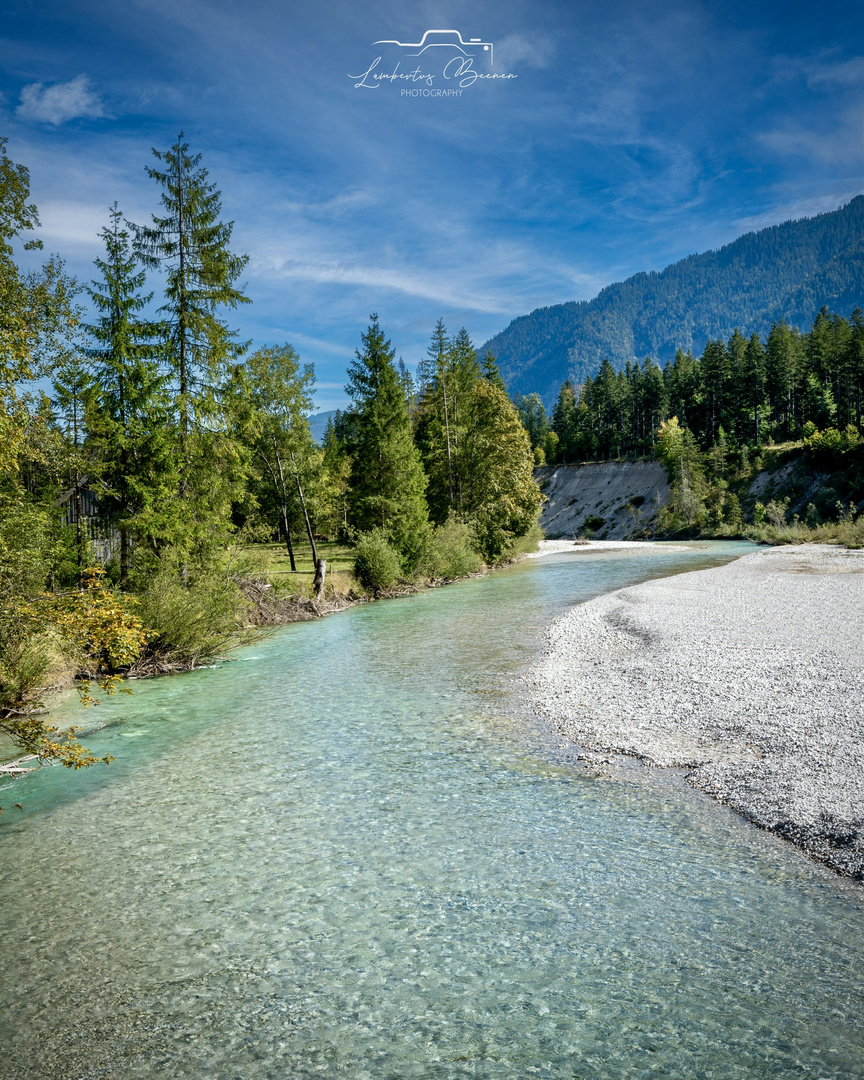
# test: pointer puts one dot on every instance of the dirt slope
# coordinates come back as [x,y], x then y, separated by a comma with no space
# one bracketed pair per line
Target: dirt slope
[610,500]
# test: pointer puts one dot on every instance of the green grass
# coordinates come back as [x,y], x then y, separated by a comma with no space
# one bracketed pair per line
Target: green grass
[277,564]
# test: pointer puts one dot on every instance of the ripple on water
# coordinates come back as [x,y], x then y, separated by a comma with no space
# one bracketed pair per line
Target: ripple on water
[346,858]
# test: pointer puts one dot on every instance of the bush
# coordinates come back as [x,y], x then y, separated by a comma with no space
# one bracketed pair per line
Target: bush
[377,565]
[192,622]
[450,552]
[530,541]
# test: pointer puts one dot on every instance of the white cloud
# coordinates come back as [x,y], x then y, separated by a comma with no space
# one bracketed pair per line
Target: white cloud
[515,51]
[792,209]
[833,141]
[846,73]
[70,224]
[59,103]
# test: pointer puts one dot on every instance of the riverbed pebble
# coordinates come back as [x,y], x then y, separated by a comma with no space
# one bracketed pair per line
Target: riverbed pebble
[750,675]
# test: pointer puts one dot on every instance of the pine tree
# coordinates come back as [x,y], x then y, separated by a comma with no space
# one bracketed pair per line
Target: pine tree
[752,380]
[783,375]
[387,482]
[563,421]
[129,417]
[192,246]
[491,373]
[855,364]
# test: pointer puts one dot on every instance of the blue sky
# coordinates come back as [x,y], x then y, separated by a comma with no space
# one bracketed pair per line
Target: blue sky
[632,134]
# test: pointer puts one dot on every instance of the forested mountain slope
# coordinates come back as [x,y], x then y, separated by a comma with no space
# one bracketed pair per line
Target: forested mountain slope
[786,271]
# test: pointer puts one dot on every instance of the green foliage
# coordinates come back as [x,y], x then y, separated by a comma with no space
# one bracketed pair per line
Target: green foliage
[502,497]
[533,417]
[189,621]
[525,544]
[377,565]
[94,629]
[831,443]
[450,552]
[273,399]
[679,452]
[191,246]
[128,410]
[387,484]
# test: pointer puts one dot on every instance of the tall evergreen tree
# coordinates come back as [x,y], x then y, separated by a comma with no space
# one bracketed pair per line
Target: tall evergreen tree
[752,385]
[783,374]
[192,246]
[129,417]
[387,483]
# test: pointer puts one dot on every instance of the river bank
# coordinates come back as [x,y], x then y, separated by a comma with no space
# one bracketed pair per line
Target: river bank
[749,675]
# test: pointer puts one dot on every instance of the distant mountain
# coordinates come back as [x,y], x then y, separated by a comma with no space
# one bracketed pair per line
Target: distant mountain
[787,272]
[318,424]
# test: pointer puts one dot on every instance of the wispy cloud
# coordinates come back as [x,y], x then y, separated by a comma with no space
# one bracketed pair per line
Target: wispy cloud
[807,206]
[835,141]
[517,50]
[838,73]
[60,103]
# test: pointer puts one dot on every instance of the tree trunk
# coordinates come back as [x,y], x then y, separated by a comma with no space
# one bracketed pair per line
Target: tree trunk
[124,558]
[79,539]
[284,503]
[305,514]
[318,583]
[287,532]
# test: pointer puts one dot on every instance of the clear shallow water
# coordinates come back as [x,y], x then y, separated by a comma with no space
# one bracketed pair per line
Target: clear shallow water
[347,856]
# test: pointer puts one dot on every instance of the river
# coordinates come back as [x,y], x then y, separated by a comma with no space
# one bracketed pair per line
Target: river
[350,854]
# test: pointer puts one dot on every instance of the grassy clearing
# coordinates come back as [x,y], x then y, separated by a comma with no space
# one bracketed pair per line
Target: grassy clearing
[275,563]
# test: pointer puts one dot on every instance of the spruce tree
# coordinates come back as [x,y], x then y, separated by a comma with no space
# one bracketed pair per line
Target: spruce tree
[192,246]
[129,418]
[752,378]
[387,483]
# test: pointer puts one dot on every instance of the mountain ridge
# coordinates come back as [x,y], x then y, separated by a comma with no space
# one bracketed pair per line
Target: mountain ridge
[785,271]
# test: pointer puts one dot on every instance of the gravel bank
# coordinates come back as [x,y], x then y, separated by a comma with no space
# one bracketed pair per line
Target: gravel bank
[750,675]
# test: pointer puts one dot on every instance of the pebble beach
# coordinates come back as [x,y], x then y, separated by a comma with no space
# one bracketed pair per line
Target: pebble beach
[750,676]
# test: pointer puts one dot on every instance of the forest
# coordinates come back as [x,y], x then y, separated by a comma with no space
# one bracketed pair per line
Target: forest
[143,495]
[716,420]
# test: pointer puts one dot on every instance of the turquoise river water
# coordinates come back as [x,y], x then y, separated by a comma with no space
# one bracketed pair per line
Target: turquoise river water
[352,854]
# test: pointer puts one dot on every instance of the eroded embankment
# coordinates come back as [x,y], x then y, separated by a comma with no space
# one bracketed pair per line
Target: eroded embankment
[612,499]
[750,675]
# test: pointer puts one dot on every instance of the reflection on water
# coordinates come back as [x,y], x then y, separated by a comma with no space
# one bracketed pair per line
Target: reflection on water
[347,856]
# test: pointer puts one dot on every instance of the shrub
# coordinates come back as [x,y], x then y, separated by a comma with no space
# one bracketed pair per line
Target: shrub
[450,553]
[189,622]
[529,542]
[775,512]
[377,565]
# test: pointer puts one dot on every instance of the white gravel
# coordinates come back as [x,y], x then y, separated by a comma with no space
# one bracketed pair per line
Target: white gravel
[751,675]
[575,547]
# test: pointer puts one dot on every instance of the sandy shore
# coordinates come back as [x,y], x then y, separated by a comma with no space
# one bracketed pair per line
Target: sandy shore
[750,675]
